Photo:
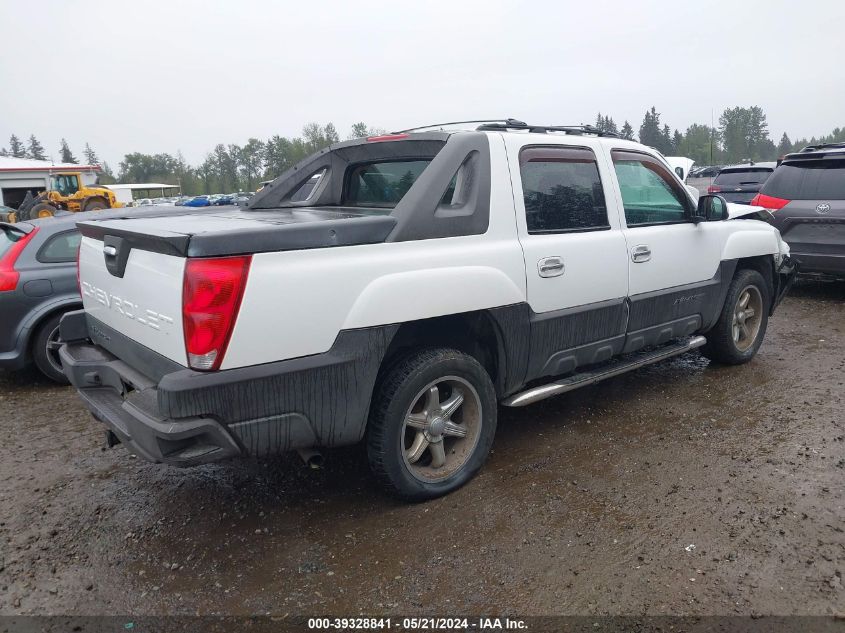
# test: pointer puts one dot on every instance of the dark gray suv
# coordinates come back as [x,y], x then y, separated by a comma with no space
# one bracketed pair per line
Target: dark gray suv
[38,284]
[806,195]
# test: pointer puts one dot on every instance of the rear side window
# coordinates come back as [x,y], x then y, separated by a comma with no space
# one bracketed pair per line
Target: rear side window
[650,194]
[382,184]
[808,180]
[8,237]
[562,190]
[735,178]
[60,248]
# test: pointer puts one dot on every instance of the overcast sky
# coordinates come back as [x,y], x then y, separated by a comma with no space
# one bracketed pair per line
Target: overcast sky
[162,76]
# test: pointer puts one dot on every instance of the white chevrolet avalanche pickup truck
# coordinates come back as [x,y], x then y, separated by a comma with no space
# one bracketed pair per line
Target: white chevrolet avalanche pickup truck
[396,289]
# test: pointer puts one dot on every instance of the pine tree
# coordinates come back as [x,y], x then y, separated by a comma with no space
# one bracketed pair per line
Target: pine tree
[610,125]
[785,145]
[36,149]
[677,142]
[65,154]
[666,140]
[627,131]
[600,122]
[650,129]
[90,155]
[16,147]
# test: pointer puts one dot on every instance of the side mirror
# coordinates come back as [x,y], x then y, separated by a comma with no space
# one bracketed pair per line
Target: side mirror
[711,207]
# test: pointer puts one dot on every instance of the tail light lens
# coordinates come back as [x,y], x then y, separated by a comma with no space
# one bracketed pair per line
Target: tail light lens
[211,297]
[768,202]
[8,275]
[714,189]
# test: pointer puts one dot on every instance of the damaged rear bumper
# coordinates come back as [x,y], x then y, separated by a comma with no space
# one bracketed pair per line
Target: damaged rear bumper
[785,277]
[165,412]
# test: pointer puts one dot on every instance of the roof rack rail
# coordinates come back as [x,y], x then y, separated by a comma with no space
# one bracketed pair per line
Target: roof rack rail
[438,125]
[491,125]
[812,148]
[512,124]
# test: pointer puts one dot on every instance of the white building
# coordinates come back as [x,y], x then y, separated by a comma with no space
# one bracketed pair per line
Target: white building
[127,193]
[19,175]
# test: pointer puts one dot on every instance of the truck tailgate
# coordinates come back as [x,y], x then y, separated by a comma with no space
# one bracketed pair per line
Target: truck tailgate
[132,270]
[145,303]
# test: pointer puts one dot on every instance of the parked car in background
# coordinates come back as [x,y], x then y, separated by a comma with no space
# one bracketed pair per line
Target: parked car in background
[198,201]
[740,183]
[806,196]
[710,171]
[242,199]
[223,200]
[38,284]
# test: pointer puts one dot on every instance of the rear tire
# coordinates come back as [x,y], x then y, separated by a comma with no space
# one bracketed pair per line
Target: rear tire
[95,204]
[45,350]
[432,423]
[742,324]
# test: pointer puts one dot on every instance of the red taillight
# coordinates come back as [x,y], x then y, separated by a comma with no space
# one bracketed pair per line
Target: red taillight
[211,297]
[386,137]
[714,189]
[8,275]
[768,202]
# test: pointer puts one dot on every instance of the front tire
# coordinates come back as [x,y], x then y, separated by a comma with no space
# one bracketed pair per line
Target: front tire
[38,211]
[45,350]
[432,423]
[742,324]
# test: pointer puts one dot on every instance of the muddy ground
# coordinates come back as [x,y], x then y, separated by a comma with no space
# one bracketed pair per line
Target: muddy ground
[684,488]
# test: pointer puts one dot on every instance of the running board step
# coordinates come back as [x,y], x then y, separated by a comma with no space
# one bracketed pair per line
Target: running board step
[631,362]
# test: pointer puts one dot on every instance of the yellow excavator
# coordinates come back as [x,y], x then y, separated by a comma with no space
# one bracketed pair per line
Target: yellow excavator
[68,194]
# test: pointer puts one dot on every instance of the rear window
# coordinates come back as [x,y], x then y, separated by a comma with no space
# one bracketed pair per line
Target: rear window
[382,184]
[7,238]
[61,248]
[737,177]
[562,190]
[808,180]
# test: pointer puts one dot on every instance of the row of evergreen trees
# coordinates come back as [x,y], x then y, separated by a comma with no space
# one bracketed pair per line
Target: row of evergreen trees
[741,135]
[35,150]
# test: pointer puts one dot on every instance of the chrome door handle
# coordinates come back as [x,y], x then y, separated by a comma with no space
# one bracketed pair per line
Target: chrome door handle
[550,266]
[640,254]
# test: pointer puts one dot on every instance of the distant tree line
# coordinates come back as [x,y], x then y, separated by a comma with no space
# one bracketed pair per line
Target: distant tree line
[742,135]
[228,168]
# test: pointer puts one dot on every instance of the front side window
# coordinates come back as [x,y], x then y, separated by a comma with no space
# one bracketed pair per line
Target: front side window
[60,248]
[66,185]
[382,184]
[650,195]
[562,190]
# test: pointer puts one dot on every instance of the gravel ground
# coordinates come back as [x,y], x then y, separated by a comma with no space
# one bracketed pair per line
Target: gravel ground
[684,488]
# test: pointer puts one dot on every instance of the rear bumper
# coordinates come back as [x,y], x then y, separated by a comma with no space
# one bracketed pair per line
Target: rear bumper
[126,403]
[823,264]
[184,417]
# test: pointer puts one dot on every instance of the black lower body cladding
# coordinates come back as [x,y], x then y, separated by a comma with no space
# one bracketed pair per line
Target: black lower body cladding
[186,417]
